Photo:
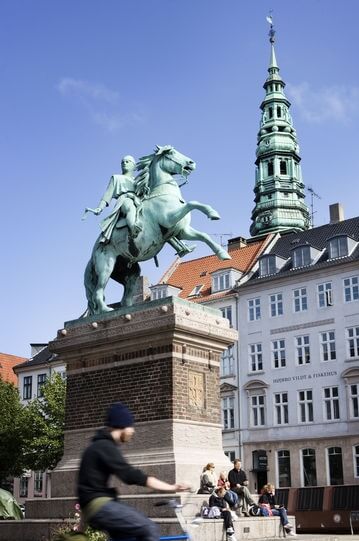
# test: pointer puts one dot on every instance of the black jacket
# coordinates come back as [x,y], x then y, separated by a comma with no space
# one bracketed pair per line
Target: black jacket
[214,500]
[101,459]
[269,498]
[237,477]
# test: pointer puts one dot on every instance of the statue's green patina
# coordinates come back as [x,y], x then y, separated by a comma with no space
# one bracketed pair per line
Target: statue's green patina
[149,211]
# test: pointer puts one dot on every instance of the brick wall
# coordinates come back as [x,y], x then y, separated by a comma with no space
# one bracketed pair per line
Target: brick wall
[155,388]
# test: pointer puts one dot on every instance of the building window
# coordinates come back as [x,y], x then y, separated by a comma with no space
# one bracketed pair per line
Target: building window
[227,362]
[281,408]
[278,353]
[283,167]
[258,410]
[38,483]
[279,112]
[196,291]
[24,486]
[356,460]
[254,309]
[158,293]
[300,299]
[255,357]
[338,247]
[284,477]
[276,304]
[302,349]
[331,403]
[301,256]
[270,168]
[309,468]
[351,289]
[267,265]
[335,466]
[27,388]
[228,412]
[353,342]
[270,111]
[220,282]
[327,340]
[305,404]
[227,313]
[354,401]
[41,380]
[231,455]
[325,297]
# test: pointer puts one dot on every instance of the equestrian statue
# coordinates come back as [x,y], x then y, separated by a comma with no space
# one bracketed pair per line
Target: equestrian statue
[149,211]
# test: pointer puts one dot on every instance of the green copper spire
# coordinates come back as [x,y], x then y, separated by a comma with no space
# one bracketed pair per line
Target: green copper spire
[279,190]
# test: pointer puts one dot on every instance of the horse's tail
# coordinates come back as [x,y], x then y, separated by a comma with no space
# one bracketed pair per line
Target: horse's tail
[90,280]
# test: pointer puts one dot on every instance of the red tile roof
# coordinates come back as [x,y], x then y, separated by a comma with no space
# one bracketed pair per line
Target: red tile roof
[188,274]
[7,362]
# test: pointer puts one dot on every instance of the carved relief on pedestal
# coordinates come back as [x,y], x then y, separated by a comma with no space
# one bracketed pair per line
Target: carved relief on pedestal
[196,392]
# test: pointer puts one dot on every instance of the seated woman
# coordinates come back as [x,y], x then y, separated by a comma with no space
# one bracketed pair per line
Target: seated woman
[217,499]
[269,507]
[230,496]
[208,479]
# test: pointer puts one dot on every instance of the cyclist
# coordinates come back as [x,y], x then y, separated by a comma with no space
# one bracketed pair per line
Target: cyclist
[103,458]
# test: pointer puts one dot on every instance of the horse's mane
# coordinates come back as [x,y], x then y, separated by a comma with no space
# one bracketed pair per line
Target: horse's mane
[142,180]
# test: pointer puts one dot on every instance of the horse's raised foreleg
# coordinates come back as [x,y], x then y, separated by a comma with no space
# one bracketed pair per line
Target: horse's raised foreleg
[170,219]
[188,233]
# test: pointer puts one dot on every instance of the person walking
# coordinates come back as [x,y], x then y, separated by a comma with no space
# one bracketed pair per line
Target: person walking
[238,483]
[102,459]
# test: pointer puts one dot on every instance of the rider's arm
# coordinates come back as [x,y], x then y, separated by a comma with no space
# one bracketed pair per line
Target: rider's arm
[157,484]
[107,196]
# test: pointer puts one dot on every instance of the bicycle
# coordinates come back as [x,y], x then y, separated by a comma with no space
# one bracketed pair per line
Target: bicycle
[178,507]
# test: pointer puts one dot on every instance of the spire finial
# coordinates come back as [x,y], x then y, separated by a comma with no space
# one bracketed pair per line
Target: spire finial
[271,30]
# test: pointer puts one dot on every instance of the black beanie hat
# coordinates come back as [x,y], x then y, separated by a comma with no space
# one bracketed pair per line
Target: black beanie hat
[119,416]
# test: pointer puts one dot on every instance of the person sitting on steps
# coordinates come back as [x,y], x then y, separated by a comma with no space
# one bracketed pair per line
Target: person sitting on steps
[217,499]
[269,507]
[238,483]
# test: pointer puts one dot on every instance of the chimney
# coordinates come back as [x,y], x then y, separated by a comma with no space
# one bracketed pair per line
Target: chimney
[336,213]
[237,242]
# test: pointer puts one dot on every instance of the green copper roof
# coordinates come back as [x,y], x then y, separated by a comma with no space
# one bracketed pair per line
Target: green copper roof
[279,189]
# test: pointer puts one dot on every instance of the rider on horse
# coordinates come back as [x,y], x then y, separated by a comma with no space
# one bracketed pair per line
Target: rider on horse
[127,207]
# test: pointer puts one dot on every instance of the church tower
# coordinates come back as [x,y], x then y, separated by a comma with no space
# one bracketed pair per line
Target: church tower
[279,190]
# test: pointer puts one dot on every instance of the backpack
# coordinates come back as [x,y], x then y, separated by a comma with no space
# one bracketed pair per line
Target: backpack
[205,511]
[214,512]
[255,510]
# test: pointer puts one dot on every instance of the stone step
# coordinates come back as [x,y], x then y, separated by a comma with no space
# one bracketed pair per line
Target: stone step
[209,530]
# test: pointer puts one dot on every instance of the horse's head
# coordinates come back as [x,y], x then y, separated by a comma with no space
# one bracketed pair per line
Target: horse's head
[157,168]
[173,162]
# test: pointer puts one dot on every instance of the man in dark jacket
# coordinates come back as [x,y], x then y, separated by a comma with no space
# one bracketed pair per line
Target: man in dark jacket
[103,458]
[239,482]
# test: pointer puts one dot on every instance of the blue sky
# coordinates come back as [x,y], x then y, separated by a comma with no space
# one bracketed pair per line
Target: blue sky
[84,82]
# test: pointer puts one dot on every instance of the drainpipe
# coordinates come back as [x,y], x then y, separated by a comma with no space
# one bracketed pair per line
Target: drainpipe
[238,382]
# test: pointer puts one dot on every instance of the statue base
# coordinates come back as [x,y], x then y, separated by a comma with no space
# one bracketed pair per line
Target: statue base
[160,358]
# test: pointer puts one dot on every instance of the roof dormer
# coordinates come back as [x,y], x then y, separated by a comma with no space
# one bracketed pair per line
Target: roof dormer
[161,291]
[224,279]
[340,246]
[270,264]
[304,255]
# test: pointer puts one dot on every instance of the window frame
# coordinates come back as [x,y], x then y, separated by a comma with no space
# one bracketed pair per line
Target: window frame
[287,457]
[353,401]
[254,309]
[301,256]
[257,410]
[281,408]
[27,386]
[302,456]
[276,305]
[351,288]
[335,246]
[227,362]
[228,414]
[326,349]
[356,461]
[221,281]
[331,404]
[278,353]
[255,357]
[300,300]
[325,297]
[303,347]
[306,407]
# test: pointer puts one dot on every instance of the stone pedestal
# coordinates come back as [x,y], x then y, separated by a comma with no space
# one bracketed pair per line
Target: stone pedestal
[160,358]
